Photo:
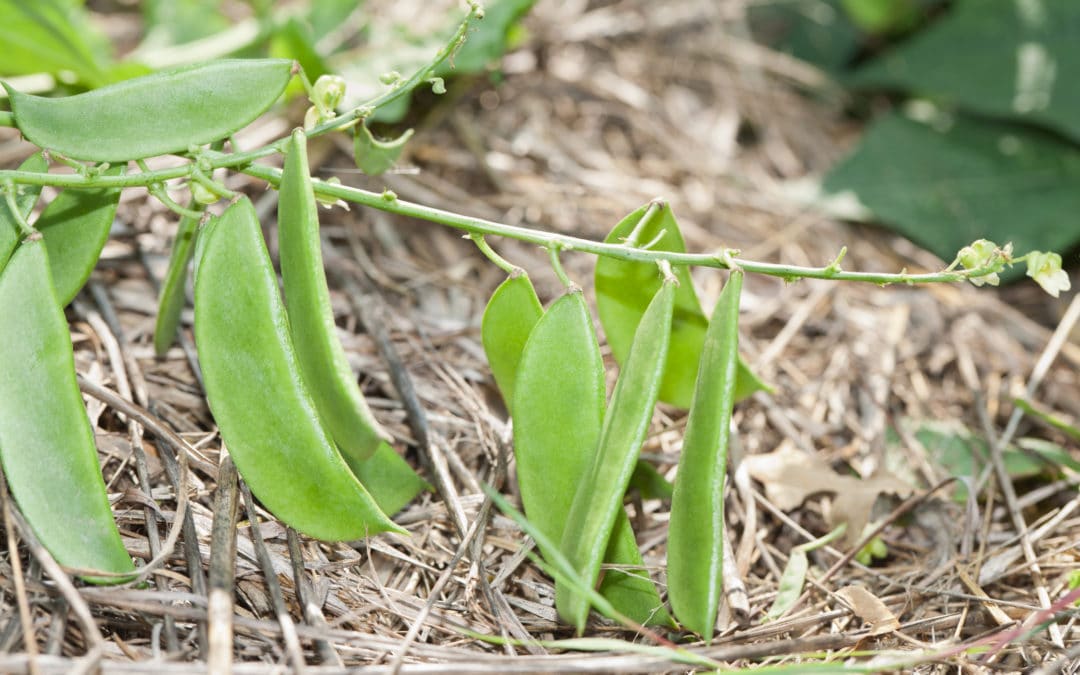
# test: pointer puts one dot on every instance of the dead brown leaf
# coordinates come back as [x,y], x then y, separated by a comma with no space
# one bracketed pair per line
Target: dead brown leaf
[790,476]
[870,609]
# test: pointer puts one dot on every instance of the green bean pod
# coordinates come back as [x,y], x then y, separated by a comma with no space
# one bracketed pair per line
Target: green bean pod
[171,296]
[166,112]
[256,392]
[311,319]
[25,200]
[559,411]
[599,495]
[389,479]
[46,443]
[75,227]
[624,289]
[695,535]
[509,318]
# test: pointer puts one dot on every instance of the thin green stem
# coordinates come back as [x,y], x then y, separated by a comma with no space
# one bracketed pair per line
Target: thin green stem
[500,262]
[654,207]
[556,264]
[565,242]
[211,185]
[7,119]
[9,195]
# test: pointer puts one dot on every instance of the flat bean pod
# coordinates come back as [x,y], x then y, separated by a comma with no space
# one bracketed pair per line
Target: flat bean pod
[172,294]
[599,496]
[25,200]
[559,405]
[255,390]
[624,289]
[322,359]
[166,112]
[389,479]
[695,535]
[75,227]
[509,318]
[46,443]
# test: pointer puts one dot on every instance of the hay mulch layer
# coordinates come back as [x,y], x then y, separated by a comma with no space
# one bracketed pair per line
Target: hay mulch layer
[606,106]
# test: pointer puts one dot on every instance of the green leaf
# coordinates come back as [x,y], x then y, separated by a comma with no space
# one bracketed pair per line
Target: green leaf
[625,288]
[374,156]
[1010,59]
[946,183]
[791,584]
[509,318]
[51,36]
[817,31]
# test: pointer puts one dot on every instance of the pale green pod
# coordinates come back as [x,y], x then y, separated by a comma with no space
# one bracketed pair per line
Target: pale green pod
[599,496]
[266,415]
[46,443]
[559,411]
[171,297]
[75,227]
[166,112]
[509,318]
[695,535]
[323,363]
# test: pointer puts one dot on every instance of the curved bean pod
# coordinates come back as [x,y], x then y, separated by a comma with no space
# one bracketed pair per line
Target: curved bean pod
[509,318]
[256,392]
[695,536]
[322,359]
[599,495]
[625,288]
[46,443]
[171,296]
[559,412]
[75,227]
[157,114]
[25,200]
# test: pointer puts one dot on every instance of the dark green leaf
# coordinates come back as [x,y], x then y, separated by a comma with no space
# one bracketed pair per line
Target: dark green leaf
[944,186]
[1009,59]
[50,36]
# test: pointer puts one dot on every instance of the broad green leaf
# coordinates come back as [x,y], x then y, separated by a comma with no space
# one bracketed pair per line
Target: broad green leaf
[51,36]
[817,31]
[946,184]
[1009,59]
[625,288]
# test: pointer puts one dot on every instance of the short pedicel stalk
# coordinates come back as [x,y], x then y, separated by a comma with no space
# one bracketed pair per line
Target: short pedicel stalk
[172,294]
[695,534]
[323,362]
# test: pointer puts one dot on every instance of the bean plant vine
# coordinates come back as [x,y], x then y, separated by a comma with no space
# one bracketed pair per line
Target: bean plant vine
[286,403]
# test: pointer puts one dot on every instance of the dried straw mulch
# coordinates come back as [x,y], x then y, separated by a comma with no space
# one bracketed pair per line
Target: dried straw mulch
[606,106]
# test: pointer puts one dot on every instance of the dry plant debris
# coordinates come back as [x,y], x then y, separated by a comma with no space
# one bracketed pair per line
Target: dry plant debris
[605,107]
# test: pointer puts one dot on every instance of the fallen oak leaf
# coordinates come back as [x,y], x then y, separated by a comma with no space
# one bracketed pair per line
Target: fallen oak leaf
[791,476]
[870,609]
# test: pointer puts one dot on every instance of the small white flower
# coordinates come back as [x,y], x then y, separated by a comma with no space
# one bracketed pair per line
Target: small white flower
[1045,269]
